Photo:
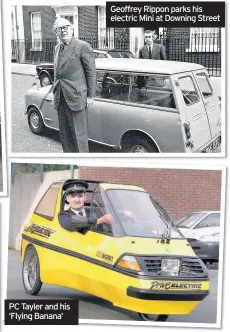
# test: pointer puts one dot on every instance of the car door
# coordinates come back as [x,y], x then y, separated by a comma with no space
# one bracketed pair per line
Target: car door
[192,110]
[210,100]
[49,113]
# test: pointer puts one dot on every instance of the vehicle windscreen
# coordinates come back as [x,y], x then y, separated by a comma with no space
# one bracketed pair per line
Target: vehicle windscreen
[189,220]
[139,215]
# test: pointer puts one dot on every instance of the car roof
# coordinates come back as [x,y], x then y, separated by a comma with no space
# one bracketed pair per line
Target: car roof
[146,65]
[105,185]
[207,212]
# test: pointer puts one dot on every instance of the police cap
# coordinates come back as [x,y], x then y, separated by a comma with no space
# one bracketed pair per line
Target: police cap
[75,187]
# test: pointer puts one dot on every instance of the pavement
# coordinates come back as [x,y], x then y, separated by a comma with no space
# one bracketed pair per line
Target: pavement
[23,69]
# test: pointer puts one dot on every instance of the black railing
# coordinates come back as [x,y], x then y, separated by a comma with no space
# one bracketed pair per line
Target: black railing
[199,48]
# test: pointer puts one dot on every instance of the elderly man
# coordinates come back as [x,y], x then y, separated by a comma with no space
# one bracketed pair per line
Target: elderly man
[76,197]
[151,50]
[74,87]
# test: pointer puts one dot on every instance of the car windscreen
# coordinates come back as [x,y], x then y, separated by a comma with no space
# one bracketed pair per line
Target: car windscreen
[189,220]
[139,215]
[116,54]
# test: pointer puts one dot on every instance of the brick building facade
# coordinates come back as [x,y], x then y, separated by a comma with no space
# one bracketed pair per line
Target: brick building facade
[178,190]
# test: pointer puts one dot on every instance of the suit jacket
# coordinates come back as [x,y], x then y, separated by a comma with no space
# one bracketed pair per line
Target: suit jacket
[68,222]
[74,74]
[158,52]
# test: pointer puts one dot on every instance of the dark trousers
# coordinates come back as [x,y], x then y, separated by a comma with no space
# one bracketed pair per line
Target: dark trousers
[72,128]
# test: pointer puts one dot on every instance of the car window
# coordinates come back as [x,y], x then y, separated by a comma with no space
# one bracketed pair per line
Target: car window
[188,90]
[212,219]
[101,55]
[189,220]
[140,215]
[99,207]
[46,206]
[114,86]
[204,85]
[152,90]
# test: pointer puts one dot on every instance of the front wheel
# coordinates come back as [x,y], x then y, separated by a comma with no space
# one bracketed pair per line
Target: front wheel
[31,272]
[138,145]
[35,121]
[153,318]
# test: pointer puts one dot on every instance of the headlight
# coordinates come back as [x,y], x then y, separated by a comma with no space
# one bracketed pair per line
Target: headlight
[210,238]
[129,262]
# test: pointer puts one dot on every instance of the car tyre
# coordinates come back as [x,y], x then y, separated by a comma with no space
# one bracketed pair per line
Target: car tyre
[153,318]
[31,271]
[138,144]
[35,121]
[45,80]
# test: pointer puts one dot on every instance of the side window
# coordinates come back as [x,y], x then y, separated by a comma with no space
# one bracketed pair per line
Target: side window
[97,206]
[152,90]
[46,206]
[188,90]
[114,86]
[204,85]
[101,55]
[212,219]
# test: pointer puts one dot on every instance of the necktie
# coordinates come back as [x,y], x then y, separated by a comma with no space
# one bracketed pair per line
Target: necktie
[81,213]
[150,53]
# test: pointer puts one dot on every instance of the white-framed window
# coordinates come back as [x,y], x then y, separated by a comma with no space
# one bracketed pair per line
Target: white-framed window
[105,35]
[36,31]
[204,40]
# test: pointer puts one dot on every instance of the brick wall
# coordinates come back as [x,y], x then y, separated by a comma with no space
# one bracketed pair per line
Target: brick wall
[88,22]
[47,20]
[179,191]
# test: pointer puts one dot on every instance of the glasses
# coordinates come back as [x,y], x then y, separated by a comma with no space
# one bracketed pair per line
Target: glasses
[64,28]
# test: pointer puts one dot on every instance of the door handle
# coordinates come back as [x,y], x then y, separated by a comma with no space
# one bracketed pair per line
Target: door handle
[47,99]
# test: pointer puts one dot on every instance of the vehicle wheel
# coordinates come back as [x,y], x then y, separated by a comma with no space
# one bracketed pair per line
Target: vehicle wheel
[45,80]
[35,121]
[138,144]
[153,318]
[31,271]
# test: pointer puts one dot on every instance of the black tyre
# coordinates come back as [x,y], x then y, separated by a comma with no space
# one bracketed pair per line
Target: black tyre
[35,121]
[153,318]
[138,144]
[45,79]
[31,271]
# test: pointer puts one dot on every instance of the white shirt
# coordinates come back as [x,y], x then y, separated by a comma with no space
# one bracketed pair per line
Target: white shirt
[77,212]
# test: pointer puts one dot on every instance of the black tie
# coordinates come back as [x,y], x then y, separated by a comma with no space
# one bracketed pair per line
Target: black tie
[150,53]
[81,213]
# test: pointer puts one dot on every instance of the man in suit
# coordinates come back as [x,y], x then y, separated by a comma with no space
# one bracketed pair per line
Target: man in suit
[76,197]
[74,86]
[151,50]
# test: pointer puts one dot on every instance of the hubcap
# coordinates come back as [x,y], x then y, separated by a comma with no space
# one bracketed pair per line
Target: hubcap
[138,149]
[34,120]
[30,269]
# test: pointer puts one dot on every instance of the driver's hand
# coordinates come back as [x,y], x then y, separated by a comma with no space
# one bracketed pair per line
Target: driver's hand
[128,213]
[107,218]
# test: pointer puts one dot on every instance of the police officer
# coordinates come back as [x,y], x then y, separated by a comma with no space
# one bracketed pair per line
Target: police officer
[77,218]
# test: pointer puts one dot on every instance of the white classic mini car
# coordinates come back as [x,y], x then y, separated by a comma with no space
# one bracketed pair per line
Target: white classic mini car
[143,106]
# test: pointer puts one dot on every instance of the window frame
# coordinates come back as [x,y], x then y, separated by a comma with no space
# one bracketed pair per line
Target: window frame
[134,104]
[194,83]
[109,32]
[35,48]
[206,47]
[208,81]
